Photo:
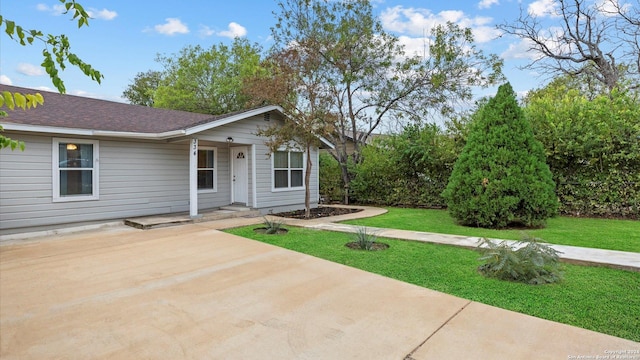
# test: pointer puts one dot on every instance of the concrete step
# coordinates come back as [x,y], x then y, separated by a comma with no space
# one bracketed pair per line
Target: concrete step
[225,212]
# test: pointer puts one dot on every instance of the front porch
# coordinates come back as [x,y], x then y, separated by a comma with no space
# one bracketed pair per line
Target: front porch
[221,213]
[220,173]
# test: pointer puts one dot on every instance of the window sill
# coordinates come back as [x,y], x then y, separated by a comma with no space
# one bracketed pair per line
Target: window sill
[287,189]
[75,198]
[207,191]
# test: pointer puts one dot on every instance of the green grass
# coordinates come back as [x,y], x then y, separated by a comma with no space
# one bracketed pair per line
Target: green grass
[623,235]
[595,298]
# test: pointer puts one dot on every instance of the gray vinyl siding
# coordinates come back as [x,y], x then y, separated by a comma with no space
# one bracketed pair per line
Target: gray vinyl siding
[136,178]
[222,197]
[244,134]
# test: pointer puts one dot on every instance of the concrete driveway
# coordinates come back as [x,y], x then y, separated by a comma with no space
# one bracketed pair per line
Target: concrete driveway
[192,292]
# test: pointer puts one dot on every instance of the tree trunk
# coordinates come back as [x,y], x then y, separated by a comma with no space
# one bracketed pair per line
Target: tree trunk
[307,180]
[345,179]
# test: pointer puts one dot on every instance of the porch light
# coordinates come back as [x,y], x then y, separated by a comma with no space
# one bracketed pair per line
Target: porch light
[229,139]
[72,147]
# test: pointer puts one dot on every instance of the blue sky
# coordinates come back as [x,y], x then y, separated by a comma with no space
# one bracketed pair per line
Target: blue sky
[124,37]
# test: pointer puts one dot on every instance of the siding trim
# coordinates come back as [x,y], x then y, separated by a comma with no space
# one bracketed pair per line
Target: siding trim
[254,183]
[231,119]
[193,178]
[215,170]
[55,171]
[274,189]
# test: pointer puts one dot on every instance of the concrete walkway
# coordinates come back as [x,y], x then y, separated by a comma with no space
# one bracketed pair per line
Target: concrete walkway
[573,254]
[193,292]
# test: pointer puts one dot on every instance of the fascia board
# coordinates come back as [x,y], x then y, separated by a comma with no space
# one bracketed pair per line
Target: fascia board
[232,119]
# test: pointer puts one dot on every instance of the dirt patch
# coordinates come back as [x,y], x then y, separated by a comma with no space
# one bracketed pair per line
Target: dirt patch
[374,247]
[318,212]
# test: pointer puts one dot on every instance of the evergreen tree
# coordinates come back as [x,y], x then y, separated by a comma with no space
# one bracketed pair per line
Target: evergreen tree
[501,177]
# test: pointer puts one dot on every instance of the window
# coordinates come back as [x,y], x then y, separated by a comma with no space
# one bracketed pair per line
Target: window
[288,169]
[207,166]
[75,170]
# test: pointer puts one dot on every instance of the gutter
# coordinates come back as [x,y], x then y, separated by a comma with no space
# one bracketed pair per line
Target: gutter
[85,132]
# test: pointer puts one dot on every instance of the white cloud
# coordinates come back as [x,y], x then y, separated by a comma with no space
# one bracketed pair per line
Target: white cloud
[60,9]
[85,94]
[103,14]
[485,4]
[233,31]
[409,20]
[206,31]
[453,16]
[30,69]
[551,37]
[4,79]
[543,8]
[519,50]
[484,34]
[171,27]
[56,10]
[415,46]
[419,22]
[522,94]
[611,7]
[45,88]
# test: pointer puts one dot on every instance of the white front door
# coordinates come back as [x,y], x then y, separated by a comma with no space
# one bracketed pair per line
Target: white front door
[239,175]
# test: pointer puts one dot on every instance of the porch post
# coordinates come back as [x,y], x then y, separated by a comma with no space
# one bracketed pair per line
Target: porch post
[193,178]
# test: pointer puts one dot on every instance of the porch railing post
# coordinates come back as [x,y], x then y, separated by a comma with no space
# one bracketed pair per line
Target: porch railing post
[193,178]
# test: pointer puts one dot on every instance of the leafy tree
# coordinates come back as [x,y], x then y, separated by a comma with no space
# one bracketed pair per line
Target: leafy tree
[331,186]
[56,53]
[143,88]
[409,169]
[368,76]
[599,38]
[501,176]
[296,83]
[592,144]
[208,81]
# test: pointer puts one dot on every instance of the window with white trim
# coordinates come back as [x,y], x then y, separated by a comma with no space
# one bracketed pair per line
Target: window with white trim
[207,169]
[288,170]
[75,169]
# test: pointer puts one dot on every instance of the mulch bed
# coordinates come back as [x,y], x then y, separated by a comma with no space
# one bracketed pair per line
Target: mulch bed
[376,246]
[318,212]
[263,230]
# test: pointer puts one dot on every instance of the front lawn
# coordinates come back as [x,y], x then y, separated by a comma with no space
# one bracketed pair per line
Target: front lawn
[600,299]
[623,235]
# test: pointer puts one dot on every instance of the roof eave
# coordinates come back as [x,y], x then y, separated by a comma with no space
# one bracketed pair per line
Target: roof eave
[138,135]
[228,120]
[326,142]
[46,129]
[88,132]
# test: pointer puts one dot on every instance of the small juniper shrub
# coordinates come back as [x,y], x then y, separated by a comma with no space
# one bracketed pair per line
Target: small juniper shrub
[529,261]
[365,239]
[272,226]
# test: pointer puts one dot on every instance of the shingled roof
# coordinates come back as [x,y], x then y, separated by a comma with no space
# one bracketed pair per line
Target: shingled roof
[75,112]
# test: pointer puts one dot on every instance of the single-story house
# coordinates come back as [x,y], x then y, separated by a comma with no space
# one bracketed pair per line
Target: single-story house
[89,160]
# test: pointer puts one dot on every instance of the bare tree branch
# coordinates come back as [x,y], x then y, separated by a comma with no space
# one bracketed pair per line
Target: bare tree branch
[601,40]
